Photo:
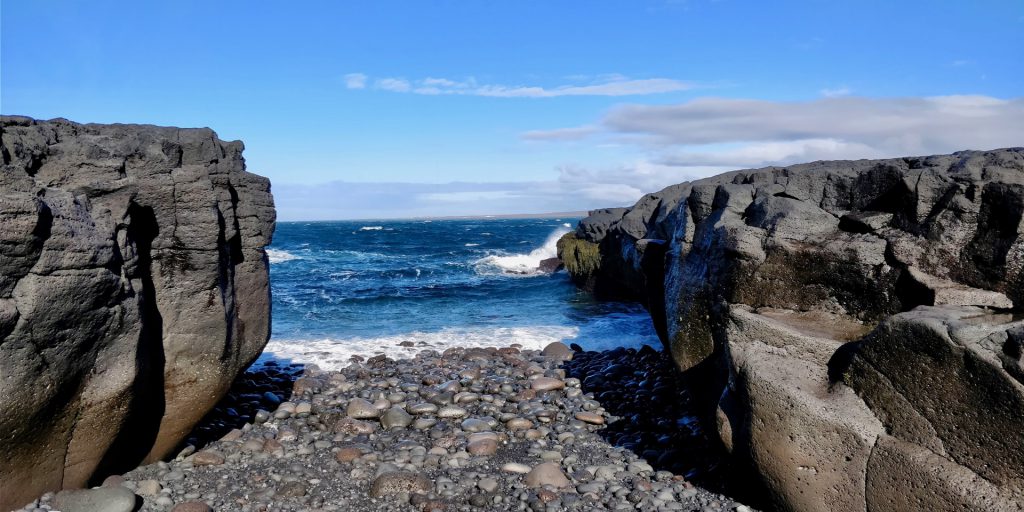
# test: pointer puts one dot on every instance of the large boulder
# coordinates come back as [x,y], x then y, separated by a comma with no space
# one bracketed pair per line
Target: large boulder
[133,289]
[837,318]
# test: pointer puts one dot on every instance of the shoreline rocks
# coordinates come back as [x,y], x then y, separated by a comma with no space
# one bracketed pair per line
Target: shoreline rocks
[134,289]
[513,447]
[843,325]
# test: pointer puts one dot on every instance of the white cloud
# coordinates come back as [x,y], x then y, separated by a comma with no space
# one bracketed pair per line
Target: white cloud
[355,81]
[393,84]
[762,154]
[708,136]
[891,126]
[837,92]
[603,85]
[347,200]
[562,134]
[466,196]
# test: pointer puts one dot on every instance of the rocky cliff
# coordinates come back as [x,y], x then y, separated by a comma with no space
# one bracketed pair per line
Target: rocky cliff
[133,289]
[853,327]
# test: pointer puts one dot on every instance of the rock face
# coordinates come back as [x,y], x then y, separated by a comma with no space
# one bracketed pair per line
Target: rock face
[850,325]
[133,289]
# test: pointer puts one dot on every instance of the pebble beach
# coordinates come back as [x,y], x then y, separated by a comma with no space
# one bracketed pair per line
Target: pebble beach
[464,429]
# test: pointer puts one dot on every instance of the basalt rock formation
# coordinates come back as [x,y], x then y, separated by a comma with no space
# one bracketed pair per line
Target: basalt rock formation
[853,327]
[133,289]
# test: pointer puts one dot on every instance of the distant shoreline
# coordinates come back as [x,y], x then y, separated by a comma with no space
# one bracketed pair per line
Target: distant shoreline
[506,216]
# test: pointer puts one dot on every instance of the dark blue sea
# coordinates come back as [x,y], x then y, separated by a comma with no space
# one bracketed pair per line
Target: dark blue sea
[365,287]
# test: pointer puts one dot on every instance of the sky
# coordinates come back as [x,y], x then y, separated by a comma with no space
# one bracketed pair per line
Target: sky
[389,109]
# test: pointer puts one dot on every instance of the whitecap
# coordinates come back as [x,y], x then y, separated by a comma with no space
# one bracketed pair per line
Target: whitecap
[334,353]
[371,228]
[472,245]
[522,264]
[603,332]
[567,225]
[279,256]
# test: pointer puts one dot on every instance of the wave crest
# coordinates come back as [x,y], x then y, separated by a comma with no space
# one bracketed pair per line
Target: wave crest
[330,353]
[279,256]
[523,264]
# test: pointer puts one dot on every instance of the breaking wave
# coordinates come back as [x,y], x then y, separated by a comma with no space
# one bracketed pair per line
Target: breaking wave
[522,264]
[279,256]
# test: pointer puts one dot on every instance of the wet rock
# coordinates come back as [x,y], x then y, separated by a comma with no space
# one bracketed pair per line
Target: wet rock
[550,265]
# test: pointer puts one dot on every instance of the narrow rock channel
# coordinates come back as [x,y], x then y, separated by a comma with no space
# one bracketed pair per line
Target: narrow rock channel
[469,429]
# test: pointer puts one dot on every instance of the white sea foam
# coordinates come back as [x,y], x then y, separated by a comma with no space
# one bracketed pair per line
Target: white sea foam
[371,228]
[522,264]
[566,224]
[472,245]
[279,256]
[333,354]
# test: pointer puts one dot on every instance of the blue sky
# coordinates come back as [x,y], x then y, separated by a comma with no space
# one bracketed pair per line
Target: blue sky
[395,109]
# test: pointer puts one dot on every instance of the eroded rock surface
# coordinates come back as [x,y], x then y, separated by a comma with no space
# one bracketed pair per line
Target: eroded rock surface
[134,288]
[850,324]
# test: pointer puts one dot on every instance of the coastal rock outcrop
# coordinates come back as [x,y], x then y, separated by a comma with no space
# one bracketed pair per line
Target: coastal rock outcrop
[853,327]
[133,289]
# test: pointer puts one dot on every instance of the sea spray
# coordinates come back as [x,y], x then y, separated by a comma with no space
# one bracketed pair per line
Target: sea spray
[279,256]
[524,264]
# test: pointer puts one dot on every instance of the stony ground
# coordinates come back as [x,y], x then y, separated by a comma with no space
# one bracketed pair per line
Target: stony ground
[469,429]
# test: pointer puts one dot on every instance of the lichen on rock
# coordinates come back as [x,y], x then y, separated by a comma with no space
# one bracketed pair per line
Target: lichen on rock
[582,259]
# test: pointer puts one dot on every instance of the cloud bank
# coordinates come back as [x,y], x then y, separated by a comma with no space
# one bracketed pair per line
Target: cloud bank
[721,132]
[607,85]
[573,189]
[674,143]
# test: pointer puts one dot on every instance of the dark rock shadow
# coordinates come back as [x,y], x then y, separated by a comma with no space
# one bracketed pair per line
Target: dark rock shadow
[658,419]
[137,435]
[262,387]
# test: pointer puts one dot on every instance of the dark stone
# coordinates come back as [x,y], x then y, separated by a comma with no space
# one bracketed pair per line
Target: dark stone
[756,280]
[550,265]
[98,225]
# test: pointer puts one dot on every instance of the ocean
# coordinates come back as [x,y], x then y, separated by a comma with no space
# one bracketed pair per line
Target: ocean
[397,287]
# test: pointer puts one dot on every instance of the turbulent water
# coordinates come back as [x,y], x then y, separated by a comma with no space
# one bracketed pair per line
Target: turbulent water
[366,288]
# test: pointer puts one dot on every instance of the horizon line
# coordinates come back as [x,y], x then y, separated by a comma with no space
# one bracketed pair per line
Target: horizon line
[500,216]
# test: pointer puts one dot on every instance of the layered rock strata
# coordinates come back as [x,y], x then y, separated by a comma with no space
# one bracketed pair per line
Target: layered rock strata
[852,326]
[134,288]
